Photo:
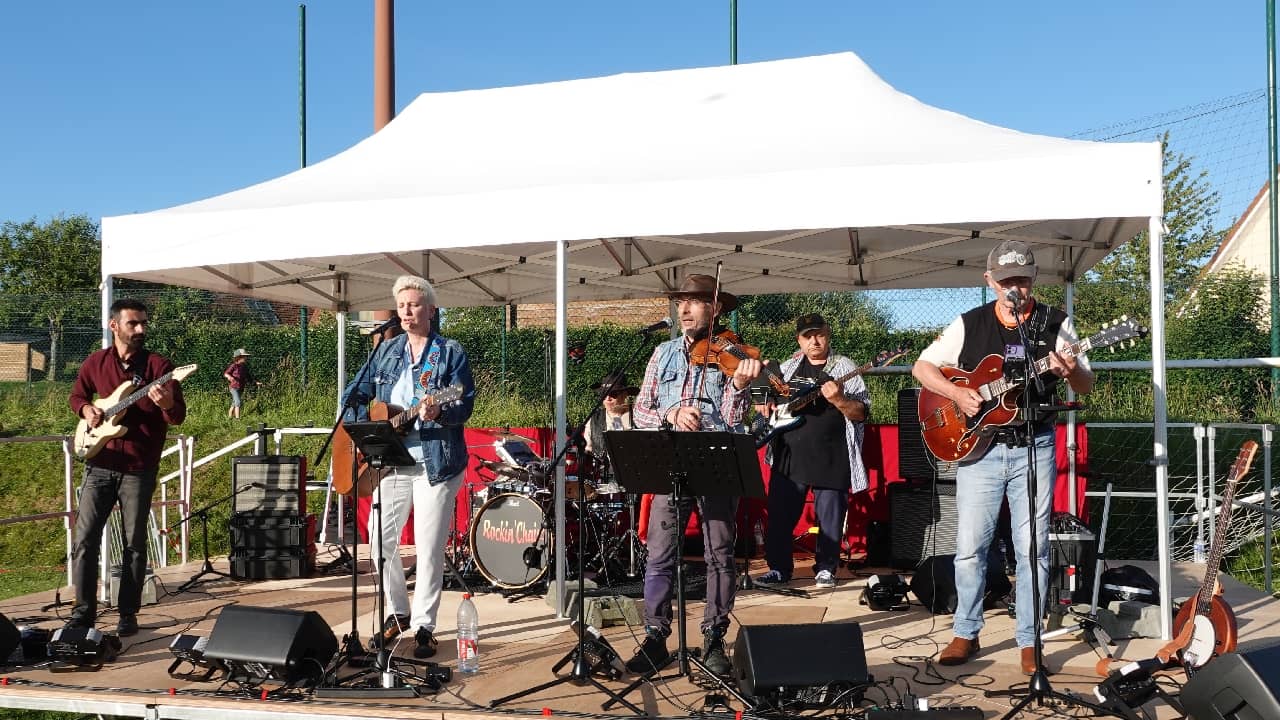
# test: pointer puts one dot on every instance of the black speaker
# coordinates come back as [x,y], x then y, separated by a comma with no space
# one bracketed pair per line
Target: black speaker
[922,523]
[1235,686]
[777,658]
[934,583]
[258,643]
[269,485]
[915,462]
[10,636]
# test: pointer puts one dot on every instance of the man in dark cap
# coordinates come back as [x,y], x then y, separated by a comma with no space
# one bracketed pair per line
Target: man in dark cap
[677,393]
[614,412]
[822,455]
[983,481]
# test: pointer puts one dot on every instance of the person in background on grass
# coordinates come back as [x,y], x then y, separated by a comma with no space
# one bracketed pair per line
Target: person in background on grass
[239,377]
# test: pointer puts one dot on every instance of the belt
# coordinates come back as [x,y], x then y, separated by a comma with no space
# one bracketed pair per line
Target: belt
[1017,436]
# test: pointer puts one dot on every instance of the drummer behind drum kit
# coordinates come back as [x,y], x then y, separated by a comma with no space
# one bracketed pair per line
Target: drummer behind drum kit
[510,527]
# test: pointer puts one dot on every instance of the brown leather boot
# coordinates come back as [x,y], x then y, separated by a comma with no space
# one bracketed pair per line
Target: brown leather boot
[1029,661]
[959,651]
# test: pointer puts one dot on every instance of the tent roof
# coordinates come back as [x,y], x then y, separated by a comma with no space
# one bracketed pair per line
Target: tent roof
[801,175]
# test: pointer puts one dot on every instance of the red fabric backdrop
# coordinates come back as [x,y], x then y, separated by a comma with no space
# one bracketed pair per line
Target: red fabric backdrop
[879,452]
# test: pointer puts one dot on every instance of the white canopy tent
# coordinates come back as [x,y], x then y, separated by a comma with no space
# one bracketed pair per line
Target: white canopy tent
[800,175]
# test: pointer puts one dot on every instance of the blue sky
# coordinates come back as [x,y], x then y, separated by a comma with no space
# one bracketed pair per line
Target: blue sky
[110,108]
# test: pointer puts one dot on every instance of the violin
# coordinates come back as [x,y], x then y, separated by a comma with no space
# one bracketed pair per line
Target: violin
[726,350]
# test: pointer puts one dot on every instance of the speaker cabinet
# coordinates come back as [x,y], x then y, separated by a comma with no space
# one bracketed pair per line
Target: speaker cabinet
[922,524]
[1235,686]
[258,644]
[269,485]
[779,658]
[915,462]
[10,637]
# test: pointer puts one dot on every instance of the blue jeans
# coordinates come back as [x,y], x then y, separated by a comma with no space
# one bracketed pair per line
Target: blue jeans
[981,486]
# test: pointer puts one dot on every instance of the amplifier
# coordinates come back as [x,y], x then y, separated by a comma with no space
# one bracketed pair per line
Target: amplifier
[272,564]
[269,485]
[267,532]
[921,524]
[915,462]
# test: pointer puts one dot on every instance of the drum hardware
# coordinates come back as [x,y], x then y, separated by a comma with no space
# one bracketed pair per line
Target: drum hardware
[505,435]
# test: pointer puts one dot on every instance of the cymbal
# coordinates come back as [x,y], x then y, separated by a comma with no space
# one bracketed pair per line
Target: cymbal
[505,435]
[501,468]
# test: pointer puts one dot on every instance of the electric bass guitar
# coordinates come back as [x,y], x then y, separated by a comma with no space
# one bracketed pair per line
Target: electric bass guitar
[367,478]
[1205,626]
[89,441]
[784,418]
[951,436]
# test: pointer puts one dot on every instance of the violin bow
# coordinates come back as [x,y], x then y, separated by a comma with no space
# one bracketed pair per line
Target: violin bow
[711,331]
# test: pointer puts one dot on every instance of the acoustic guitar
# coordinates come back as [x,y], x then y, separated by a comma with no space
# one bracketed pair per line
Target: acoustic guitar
[784,418]
[1205,626]
[951,435]
[89,441]
[367,478]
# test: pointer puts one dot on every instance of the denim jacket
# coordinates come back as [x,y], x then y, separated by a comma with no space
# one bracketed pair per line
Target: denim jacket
[446,450]
[669,378]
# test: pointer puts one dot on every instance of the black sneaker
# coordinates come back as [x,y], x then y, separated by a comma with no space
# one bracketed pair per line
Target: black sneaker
[128,625]
[427,644]
[651,654]
[713,652]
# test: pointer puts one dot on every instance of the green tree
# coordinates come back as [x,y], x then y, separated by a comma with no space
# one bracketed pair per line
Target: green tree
[1190,208]
[39,264]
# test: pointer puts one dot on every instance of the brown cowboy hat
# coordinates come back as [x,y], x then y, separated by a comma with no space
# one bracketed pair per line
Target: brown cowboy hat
[703,287]
[618,380]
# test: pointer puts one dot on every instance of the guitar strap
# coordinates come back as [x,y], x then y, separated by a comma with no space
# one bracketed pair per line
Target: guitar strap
[425,368]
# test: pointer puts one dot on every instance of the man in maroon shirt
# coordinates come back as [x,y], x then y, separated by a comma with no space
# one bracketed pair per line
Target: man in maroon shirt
[124,470]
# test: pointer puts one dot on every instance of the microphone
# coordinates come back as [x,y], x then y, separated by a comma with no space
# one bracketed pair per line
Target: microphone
[393,322]
[662,324]
[1013,296]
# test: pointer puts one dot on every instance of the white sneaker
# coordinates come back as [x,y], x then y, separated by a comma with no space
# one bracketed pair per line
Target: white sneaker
[824,579]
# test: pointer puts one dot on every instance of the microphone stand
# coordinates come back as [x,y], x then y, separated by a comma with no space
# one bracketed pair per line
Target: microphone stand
[1038,688]
[582,671]
[207,568]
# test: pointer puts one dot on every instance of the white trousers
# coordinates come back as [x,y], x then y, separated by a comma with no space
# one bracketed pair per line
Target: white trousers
[432,505]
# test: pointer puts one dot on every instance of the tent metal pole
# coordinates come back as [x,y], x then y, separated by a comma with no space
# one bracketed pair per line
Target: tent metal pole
[1069,298]
[1274,280]
[107,299]
[1160,439]
[561,429]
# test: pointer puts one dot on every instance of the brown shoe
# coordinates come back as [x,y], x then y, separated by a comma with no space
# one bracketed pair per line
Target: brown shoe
[1028,661]
[393,626]
[959,651]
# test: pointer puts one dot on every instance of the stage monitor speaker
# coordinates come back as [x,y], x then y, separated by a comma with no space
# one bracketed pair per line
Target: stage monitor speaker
[269,485]
[934,583]
[915,462]
[10,638]
[922,523]
[259,643]
[778,658]
[1235,686]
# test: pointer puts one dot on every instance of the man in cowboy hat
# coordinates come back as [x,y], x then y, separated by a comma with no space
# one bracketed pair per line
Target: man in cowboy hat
[669,397]
[238,378]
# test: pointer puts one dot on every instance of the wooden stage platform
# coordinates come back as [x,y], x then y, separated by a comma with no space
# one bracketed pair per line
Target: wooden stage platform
[521,640]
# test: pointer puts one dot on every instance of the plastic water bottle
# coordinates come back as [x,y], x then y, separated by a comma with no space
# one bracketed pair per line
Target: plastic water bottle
[468,636]
[759,537]
[1197,553]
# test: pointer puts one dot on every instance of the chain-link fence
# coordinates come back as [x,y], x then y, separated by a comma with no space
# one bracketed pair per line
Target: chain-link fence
[512,354]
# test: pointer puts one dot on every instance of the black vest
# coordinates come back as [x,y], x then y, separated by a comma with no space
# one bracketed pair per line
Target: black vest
[985,335]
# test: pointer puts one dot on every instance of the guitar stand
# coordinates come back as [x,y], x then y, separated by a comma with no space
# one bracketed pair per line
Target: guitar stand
[724,464]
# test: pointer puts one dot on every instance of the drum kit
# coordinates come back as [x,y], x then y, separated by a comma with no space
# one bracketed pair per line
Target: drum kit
[508,533]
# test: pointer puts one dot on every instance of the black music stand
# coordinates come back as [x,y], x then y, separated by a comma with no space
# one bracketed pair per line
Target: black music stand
[381,447]
[685,465]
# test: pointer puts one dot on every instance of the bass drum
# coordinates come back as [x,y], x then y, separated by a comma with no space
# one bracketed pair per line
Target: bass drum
[510,542]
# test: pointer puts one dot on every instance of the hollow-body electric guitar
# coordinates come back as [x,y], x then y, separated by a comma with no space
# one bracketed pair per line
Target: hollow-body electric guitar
[950,435]
[89,440]
[400,419]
